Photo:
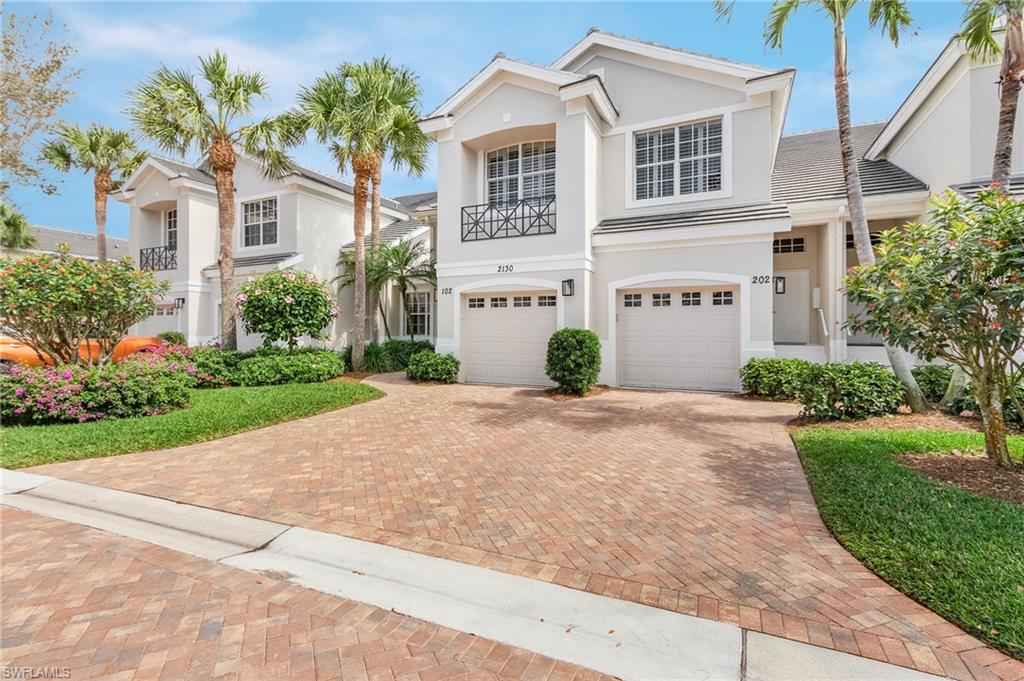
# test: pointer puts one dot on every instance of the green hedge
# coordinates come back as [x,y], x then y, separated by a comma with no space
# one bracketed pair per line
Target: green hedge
[855,390]
[933,379]
[312,366]
[392,355]
[573,360]
[172,337]
[427,365]
[774,378]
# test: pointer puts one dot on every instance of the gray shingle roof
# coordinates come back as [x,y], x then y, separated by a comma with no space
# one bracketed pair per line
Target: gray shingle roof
[704,217]
[969,189]
[81,243]
[185,170]
[809,167]
[256,260]
[418,202]
[396,231]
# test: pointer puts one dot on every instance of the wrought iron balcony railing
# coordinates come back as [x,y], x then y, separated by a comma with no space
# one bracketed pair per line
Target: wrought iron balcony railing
[525,217]
[158,258]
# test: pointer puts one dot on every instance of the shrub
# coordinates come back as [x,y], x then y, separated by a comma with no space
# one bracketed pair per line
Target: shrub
[377,359]
[172,337]
[138,386]
[284,305]
[392,355]
[55,302]
[1013,409]
[215,368]
[573,360]
[427,365]
[850,391]
[774,378]
[313,366]
[933,379]
[401,350]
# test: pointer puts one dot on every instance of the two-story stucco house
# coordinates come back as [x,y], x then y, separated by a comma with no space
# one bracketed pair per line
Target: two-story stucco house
[301,221]
[647,193]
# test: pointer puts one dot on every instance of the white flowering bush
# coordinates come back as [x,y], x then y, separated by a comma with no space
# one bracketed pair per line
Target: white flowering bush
[285,305]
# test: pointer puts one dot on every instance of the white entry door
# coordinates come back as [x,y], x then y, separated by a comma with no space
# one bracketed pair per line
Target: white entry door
[505,336]
[679,337]
[792,308]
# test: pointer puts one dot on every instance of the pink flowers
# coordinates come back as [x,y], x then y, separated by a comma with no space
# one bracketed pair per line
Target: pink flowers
[242,298]
[289,300]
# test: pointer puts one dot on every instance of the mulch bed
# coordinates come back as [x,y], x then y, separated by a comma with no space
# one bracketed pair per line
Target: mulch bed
[972,472]
[562,397]
[934,420]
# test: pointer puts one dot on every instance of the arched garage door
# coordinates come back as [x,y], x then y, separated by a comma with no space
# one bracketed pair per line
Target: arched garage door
[505,336]
[684,337]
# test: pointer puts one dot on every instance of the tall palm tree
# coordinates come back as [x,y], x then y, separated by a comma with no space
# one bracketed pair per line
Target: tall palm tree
[893,17]
[387,97]
[109,154]
[980,19]
[173,110]
[15,232]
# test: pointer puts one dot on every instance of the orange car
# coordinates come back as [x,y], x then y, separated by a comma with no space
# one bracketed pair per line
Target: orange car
[15,352]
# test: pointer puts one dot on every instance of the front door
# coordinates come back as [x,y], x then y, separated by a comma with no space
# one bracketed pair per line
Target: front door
[792,309]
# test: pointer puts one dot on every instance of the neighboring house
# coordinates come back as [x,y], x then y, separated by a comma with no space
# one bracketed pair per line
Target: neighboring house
[647,193]
[80,244]
[299,222]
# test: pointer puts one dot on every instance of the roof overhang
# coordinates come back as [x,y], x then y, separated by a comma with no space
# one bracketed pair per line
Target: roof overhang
[591,88]
[501,64]
[878,207]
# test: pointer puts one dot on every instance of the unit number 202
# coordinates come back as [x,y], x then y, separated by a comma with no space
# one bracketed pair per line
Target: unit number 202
[761,279]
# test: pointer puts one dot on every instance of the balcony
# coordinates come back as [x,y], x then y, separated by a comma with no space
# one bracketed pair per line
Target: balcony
[526,217]
[158,258]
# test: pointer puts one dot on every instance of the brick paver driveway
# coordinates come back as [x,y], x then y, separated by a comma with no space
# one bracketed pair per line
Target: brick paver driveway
[694,503]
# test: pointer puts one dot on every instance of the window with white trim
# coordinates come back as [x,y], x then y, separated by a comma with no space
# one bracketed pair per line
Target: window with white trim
[521,171]
[661,300]
[499,302]
[789,245]
[476,303]
[171,229]
[522,301]
[546,301]
[690,298]
[876,238]
[417,308]
[678,161]
[632,300]
[721,298]
[259,222]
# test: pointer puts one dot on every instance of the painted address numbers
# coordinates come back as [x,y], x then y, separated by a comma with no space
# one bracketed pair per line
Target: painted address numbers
[505,268]
[761,279]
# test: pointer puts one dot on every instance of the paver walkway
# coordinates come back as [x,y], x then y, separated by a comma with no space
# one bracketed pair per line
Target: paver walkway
[694,503]
[94,605]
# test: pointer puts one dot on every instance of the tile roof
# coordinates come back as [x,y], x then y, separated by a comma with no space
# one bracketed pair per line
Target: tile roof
[809,168]
[185,170]
[396,231]
[703,217]
[256,260]
[418,202]
[81,243]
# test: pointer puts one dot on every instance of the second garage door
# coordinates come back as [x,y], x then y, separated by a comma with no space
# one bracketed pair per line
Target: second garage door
[505,336]
[679,338]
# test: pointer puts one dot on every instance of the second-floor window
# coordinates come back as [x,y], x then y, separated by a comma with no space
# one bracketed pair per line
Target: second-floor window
[259,223]
[678,161]
[171,229]
[521,171]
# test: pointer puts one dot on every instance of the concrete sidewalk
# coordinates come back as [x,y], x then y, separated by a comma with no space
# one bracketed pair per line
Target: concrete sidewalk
[611,636]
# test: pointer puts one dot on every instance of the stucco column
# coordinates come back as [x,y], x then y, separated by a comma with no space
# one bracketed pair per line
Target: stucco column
[833,297]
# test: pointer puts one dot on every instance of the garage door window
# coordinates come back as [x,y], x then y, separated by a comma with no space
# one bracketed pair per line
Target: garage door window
[545,301]
[631,300]
[521,301]
[690,298]
[476,303]
[499,302]
[661,299]
[721,298]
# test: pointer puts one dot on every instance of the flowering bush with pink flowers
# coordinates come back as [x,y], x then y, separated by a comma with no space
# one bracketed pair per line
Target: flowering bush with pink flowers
[142,385]
[285,305]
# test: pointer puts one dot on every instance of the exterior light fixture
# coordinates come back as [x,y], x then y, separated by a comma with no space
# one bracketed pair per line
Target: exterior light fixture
[780,284]
[568,287]
[179,303]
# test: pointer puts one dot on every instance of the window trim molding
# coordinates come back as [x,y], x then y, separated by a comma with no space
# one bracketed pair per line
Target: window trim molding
[629,159]
[240,227]
[481,189]
[428,314]
[164,228]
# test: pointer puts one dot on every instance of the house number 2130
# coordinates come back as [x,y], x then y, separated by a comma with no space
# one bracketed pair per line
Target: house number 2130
[505,268]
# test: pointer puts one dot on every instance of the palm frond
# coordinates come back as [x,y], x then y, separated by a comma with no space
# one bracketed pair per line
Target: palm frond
[169,109]
[56,153]
[266,142]
[723,9]
[976,26]
[778,17]
[893,15]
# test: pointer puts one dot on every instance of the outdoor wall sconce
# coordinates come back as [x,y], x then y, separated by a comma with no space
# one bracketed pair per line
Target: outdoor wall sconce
[568,287]
[179,303]
[780,284]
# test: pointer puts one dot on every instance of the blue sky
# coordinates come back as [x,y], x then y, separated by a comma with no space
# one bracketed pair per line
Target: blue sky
[119,44]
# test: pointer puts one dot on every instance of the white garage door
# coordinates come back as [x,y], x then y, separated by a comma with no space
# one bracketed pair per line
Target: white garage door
[505,336]
[679,337]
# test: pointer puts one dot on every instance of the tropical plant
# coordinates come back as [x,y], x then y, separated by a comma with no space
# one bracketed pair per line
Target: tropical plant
[375,278]
[15,232]
[174,111]
[893,16]
[954,290]
[35,63]
[980,20]
[407,264]
[427,365]
[284,305]
[56,303]
[109,154]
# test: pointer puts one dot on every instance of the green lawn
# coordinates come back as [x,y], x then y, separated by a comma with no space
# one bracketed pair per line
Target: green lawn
[957,553]
[212,414]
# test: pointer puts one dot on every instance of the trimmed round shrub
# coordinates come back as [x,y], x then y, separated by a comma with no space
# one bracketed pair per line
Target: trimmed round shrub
[273,368]
[933,380]
[855,390]
[172,337]
[427,365]
[774,378]
[285,305]
[141,385]
[573,360]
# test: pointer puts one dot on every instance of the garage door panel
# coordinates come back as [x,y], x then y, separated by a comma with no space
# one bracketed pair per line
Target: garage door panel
[505,344]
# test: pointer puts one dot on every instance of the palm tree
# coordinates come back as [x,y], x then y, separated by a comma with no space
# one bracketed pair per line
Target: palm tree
[171,109]
[980,19]
[405,265]
[109,154]
[894,17]
[15,232]
[375,275]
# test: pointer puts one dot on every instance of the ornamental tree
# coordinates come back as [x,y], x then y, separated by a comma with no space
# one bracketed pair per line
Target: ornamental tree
[284,305]
[954,290]
[72,309]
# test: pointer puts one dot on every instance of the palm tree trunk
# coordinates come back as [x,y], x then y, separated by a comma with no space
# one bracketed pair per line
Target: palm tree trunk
[222,159]
[384,316]
[102,184]
[375,244]
[1009,94]
[858,216]
[363,172]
